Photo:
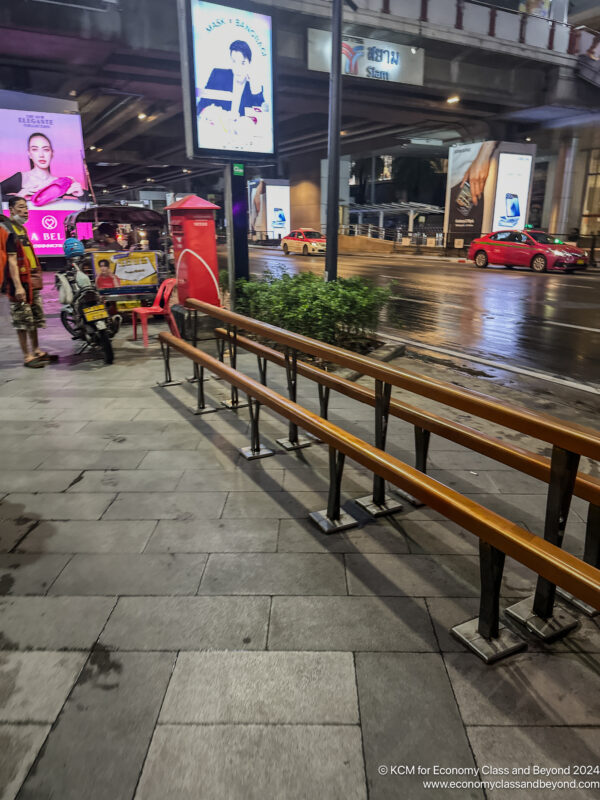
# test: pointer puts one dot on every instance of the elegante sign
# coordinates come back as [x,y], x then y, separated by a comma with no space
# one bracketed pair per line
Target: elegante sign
[368,58]
[228,82]
[41,160]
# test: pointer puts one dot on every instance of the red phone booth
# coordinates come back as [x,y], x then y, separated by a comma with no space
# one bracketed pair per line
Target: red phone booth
[195,249]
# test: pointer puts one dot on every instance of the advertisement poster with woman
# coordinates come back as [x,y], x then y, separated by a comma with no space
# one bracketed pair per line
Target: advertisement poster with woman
[468,172]
[42,160]
[232,65]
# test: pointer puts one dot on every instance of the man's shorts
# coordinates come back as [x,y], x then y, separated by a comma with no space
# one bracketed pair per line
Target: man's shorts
[27,317]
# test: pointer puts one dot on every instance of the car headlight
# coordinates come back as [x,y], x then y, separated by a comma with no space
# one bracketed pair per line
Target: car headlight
[559,252]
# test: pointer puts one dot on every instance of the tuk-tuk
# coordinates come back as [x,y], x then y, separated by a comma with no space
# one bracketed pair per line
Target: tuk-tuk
[127,251]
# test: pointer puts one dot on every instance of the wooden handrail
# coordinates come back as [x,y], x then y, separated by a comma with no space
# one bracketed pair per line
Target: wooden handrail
[586,486]
[576,438]
[547,560]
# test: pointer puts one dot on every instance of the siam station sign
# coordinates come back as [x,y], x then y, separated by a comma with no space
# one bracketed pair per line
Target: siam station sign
[368,58]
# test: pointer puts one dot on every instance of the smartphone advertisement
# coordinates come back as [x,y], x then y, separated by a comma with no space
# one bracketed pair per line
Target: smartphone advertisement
[512,191]
[42,160]
[269,208]
[230,55]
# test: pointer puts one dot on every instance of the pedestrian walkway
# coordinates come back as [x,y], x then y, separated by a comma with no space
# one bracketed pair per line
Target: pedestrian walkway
[173,627]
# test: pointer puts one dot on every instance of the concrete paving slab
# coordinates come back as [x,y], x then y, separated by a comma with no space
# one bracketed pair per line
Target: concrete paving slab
[304,480]
[207,480]
[409,717]
[214,536]
[413,575]
[527,689]
[97,536]
[19,745]
[97,748]
[12,532]
[126,574]
[52,623]
[36,480]
[209,457]
[302,536]
[262,687]
[162,441]
[57,506]
[350,623]
[127,480]
[175,505]
[22,460]
[34,686]
[274,573]
[29,574]
[277,505]
[471,481]
[254,762]
[188,623]
[73,459]
[433,537]
[510,481]
[524,747]
[50,441]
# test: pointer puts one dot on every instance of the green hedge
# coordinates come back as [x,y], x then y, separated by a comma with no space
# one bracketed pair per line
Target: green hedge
[344,312]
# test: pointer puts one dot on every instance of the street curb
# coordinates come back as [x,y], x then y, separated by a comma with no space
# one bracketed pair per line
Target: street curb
[387,352]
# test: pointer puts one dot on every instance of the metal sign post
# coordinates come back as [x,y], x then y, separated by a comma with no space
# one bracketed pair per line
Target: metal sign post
[333,142]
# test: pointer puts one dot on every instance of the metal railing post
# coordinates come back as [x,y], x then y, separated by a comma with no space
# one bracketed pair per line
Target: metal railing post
[484,635]
[333,519]
[201,406]
[323,400]
[591,555]
[234,403]
[293,441]
[256,450]
[166,354]
[379,504]
[540,617]
[262,369]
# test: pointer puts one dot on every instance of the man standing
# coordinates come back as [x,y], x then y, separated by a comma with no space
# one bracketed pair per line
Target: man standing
[22,275]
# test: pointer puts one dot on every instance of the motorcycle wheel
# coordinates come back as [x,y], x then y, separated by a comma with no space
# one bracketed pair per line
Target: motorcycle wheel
[106,346]
[68,323]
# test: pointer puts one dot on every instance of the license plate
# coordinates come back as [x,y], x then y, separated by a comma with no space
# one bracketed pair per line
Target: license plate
[124,305]
[95,312]
[580,261]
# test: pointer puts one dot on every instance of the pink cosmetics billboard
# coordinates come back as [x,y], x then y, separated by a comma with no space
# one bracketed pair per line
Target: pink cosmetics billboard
[42,160]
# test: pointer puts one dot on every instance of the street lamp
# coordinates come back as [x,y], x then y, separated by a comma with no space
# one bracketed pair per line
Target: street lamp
[333,137]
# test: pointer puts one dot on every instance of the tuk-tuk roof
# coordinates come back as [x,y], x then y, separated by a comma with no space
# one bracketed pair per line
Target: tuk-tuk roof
[119,215]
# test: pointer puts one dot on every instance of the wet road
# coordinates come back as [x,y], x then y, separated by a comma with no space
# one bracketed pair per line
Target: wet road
[549,322]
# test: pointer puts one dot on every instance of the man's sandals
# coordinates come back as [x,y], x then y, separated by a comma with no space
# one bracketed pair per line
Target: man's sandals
[49,358]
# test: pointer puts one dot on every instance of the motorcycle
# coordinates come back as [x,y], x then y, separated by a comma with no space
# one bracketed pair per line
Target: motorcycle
[83,313]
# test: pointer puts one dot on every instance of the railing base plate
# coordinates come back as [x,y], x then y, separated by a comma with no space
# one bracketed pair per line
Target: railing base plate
[580,605]
[168,383]
[302,442]
[559,624]
[327,525]
[489,650]
[409,498]
[250,454]
[389,506]
[313,439]
[233,406]
[195,380]
[206,410]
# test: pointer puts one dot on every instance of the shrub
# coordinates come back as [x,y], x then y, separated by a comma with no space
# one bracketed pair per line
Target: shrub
[343,312]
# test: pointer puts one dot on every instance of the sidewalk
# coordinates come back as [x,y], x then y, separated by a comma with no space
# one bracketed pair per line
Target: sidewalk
[173,627]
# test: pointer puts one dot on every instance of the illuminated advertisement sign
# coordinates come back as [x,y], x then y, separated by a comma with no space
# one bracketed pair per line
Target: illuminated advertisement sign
[468,172]
[41,159]
[117,272]
[541,8]
[368,58]
[269,208]
[229,80]
[512,191]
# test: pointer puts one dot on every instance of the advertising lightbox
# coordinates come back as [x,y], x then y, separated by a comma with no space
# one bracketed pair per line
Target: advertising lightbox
[269,208]
[42,160]
[512,191]
[466,196]
[118,272]
[228,81]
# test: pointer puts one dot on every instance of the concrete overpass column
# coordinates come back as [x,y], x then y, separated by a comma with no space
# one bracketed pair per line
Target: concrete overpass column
[563,186]
[411,222]
[305,192]
[381,219]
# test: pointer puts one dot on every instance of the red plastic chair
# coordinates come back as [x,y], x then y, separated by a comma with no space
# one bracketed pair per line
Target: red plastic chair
[159,308]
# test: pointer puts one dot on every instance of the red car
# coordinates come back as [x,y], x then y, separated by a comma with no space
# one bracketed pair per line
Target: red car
[533,249]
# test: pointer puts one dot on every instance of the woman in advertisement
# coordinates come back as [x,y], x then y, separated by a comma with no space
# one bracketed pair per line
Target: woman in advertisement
[38,184]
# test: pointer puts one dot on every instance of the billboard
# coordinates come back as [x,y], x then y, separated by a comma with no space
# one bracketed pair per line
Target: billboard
[118,272]
[466,196]
[512,191]
[42,160]
[541,8]
[229,80]
[368,58]
[269,208]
